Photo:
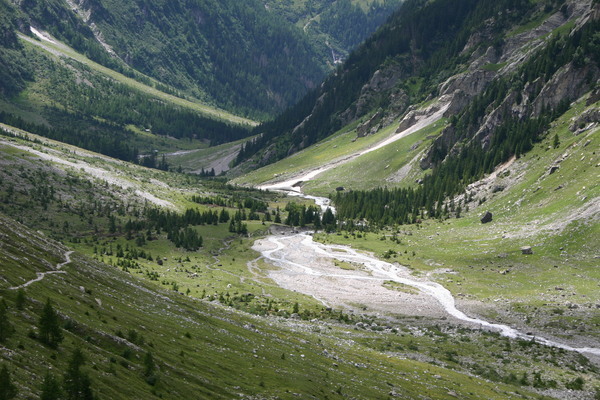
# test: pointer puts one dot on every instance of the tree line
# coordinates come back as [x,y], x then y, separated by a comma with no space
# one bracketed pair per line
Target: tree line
[453,171]
[424,39]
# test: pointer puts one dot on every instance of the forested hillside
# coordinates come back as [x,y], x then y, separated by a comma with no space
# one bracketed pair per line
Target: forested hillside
[241,56]
[49,89]
[506,72]
[471,146]
[335,27]
[403,63]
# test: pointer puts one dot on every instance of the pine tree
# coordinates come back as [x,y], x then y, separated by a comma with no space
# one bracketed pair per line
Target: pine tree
[50,388]
[223,215]
[7,389]
[77,383]
[150,369]
[328,220]
[6,328]
[556,142]
[277,217]
[21,299]
[149,365]
[50,332]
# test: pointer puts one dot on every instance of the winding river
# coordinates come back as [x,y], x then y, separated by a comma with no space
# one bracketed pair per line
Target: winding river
[298,257]
[300,261]
[309,267]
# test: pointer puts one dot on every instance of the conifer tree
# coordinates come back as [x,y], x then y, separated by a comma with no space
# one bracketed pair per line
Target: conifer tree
[277,217]
[77,383]
[21,299]
[556,142]
[149,365]
[50,332]
[6,328]
[150,369]
[7,389]
[50,388]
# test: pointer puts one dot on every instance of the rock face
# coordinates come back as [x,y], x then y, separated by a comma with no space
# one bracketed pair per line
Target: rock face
[470,83]
[569,83]
[382,81]
[371,126]
[488,63]
[591,116]
[487,217]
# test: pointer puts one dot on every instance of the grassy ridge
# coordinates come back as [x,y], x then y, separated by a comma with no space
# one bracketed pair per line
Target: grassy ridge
[65,51]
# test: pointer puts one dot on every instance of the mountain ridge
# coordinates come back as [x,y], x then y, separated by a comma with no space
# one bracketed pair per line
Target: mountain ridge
[315,117]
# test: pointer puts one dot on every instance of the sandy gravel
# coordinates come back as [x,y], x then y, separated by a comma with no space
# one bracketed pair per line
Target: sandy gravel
[307,271]
[310,268]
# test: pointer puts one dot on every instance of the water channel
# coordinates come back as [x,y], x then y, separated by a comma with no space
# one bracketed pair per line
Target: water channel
[298,257]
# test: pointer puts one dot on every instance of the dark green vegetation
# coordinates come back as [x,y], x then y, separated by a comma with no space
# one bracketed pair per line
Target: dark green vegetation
[13,73]
[452,172]
[75,104]
[243,57]
[415,51]
[184,47]
[339,25]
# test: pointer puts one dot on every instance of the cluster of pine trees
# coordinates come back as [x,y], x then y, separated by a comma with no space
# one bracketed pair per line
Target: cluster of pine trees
[452,172]
[187,238]
[106,139]
[75,385]
[424,39]
[301,215]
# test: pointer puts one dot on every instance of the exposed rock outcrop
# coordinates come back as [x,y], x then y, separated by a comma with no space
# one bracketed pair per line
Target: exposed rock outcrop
[568,84]
[487,217]
[371,126]
[470,83]
[591,116]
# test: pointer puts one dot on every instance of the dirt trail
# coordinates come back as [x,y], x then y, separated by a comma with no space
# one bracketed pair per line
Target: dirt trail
[42,275]
[292,185]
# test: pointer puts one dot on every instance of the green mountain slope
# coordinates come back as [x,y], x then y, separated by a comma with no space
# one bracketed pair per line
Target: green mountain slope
[243,57]
[63,95]
[234,339]
[426,50]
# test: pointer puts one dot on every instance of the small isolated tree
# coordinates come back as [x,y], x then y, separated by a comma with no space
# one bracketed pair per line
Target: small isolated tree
[50,388]
[150,369]
[76,382]
[21,299]
[6,328]
[7,389]
[556,142]
[50,332]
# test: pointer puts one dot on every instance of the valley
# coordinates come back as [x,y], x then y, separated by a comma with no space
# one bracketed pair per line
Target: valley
[187,211]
